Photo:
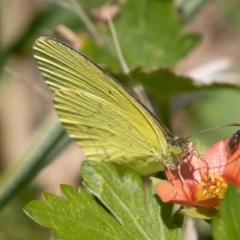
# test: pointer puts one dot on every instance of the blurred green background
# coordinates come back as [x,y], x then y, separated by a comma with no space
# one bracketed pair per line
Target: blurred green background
[211,52]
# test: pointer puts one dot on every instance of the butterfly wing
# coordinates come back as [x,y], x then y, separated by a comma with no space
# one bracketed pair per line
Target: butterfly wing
[105,120]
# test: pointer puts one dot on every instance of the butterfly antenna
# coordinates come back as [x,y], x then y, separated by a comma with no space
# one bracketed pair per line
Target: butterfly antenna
[235,124]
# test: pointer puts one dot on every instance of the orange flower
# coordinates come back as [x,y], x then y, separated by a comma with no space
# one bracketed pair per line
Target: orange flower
[203,181]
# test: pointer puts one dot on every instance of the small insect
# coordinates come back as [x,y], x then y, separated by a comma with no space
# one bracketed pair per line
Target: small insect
[235,139]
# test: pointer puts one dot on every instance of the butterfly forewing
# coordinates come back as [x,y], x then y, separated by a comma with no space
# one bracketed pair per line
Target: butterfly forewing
[106,121]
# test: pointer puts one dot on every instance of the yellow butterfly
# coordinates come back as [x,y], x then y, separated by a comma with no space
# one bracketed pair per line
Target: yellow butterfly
[101,115]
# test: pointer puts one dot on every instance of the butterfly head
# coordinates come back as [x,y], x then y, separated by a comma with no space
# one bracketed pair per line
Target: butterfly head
[178,146]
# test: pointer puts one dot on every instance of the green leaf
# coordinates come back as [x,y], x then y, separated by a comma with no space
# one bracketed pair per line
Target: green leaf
[151,34]
[200,213]
[126,214]
[106,185]
[226,224]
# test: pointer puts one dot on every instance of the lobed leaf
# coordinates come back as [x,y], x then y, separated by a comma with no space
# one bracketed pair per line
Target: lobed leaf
[122,213]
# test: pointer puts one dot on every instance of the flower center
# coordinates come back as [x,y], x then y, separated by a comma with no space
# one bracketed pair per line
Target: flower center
[212,186]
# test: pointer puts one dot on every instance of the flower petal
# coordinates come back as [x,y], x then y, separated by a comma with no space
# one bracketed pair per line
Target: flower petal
[173,192]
